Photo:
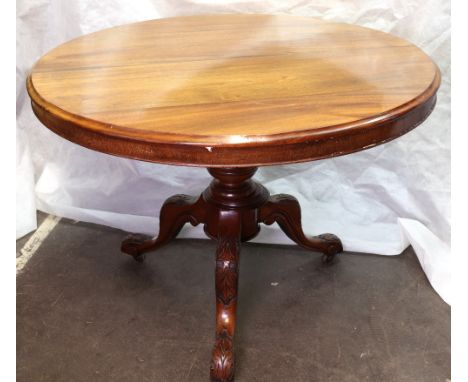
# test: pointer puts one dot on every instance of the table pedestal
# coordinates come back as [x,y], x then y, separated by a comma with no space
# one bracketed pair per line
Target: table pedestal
[231,209]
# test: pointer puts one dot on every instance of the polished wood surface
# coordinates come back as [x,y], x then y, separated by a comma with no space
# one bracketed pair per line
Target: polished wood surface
[233,90]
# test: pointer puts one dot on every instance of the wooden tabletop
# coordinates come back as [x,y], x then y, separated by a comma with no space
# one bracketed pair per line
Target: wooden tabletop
[233,90]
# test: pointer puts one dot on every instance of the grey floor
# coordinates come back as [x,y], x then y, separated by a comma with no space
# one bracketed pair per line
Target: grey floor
[85,312]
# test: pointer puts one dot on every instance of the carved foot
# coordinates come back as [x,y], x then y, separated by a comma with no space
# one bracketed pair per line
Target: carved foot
[226,278]
[175,212]
[134,245]
[331,246]
[286,211]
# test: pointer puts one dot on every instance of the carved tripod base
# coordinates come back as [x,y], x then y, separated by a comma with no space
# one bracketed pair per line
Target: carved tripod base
[231,209]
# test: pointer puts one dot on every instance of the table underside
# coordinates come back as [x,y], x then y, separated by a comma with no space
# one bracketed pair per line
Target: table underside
[231,209]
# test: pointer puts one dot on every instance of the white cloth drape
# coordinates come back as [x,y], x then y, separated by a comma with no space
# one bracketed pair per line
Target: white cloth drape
[377,201]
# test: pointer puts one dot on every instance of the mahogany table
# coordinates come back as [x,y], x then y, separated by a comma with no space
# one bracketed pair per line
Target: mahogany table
[231,93]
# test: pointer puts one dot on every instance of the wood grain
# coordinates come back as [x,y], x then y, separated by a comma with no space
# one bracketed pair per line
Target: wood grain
[241,90]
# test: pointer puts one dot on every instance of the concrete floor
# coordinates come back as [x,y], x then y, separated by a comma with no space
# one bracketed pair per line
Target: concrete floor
[85,313]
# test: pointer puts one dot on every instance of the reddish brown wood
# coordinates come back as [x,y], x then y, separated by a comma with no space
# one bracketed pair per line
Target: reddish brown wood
[226,277]
[285,210]
[231,209]
[276,149]
[233,188]
[175,212]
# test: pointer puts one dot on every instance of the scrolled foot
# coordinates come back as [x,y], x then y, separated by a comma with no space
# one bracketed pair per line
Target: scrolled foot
[331,246]
[222,359]
[135,246]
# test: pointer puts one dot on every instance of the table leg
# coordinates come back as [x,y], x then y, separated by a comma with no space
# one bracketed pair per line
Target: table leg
[285,210]
[231,209]
[226,279]
[175,212]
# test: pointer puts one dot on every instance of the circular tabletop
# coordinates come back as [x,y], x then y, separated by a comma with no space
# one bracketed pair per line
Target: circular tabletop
[233,90]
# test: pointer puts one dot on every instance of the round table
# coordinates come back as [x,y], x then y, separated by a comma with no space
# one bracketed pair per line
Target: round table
[231,93]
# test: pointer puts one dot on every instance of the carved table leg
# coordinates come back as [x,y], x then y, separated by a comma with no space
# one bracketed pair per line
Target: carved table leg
[226,276]
[175,212]
[285,210]
[231,209]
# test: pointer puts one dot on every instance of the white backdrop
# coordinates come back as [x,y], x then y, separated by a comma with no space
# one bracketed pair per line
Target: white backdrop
[377,201]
